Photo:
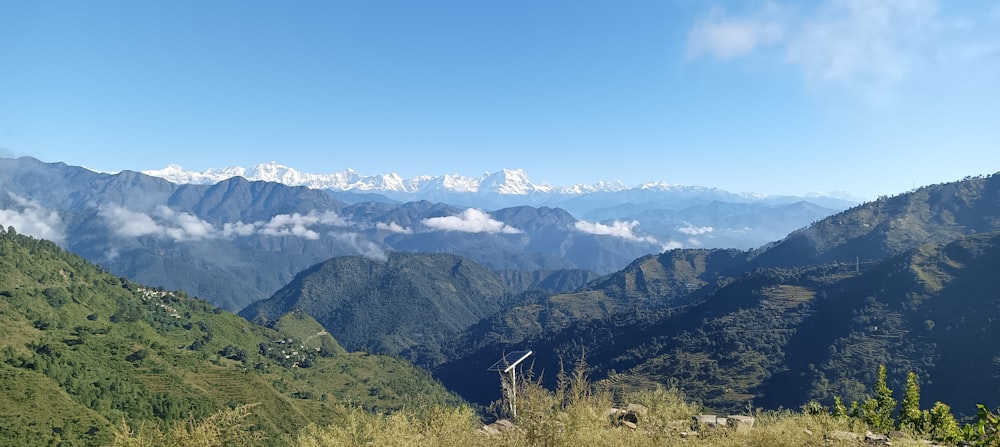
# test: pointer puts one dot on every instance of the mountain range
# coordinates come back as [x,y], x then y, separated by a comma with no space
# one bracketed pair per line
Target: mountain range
[606,200]
[906,281]
[238,241]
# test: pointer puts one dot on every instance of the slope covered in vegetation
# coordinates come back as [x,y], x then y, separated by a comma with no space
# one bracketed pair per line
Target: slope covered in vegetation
[80,349]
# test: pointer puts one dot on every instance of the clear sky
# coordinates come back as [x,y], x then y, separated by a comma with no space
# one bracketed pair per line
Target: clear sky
[865,96]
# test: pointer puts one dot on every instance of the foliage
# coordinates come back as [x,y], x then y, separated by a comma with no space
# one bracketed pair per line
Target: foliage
[878,411]
[80,348]
[985,432]
[410,304]
[910,417]
[575,414]
[227,427]
[941,424]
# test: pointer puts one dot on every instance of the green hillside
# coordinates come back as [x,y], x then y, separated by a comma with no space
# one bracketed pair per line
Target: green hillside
[934,214]
[782,337]
[406,305]
[81,349]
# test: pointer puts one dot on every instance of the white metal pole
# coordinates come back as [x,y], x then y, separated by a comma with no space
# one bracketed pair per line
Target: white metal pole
[513,392]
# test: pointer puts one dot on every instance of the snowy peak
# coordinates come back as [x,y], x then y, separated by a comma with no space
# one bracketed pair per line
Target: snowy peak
[510,181]
[504,182]
[501,188]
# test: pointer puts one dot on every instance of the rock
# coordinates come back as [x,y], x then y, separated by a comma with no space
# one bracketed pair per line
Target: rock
[839,435]
[706,419]
[896,434]
[875,438]
[498,427]
[629,425]
[742,421]
[637,409]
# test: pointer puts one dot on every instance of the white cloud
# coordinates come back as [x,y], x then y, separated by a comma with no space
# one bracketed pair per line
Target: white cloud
[729,38]
[181,226]
[618,228]
[238,229]
[184,226]
[470,221]
[297,224]
[862,41]
[363,246]
[393,227]
[672,245]
[695,231]
[32,219]
[164,223]
[849,42]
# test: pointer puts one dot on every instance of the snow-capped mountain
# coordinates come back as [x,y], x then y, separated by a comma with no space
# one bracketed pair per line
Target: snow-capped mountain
[505,181]
[495,190]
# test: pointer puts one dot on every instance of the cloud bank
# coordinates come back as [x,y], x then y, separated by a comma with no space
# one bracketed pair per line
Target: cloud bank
[695,231]
[618,228]
[470,221]
[180,226]
[30,218]
[393,227]
[164,223]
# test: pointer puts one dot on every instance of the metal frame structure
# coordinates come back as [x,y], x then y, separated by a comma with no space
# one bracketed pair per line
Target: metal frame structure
[508,364]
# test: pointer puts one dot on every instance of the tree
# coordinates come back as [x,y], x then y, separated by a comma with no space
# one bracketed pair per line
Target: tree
[839,410]
[942,425]
[877,411]
[910,416]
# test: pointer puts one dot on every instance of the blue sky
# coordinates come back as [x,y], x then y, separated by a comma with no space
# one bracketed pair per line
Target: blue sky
[865,96]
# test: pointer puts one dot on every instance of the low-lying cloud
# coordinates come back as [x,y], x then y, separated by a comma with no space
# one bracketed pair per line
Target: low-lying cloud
[618,228]
[393,227]
[30,218]
[470,221]
[695,231]
[297,224]
[181,226]
[363,246]
[164,222]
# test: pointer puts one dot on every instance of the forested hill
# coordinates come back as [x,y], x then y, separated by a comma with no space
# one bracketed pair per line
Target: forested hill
[935,214]
[407,304]
[783,337]
[80,349]
[808,317]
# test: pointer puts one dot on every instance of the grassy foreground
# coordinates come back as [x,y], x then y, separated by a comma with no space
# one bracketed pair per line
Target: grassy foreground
[575,414]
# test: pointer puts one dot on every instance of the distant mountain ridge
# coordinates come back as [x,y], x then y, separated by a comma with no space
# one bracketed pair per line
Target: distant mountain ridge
[510,182]
[906,281]
[238,241]
[676,215]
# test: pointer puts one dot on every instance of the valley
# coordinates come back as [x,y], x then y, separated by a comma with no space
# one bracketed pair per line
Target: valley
[155,301]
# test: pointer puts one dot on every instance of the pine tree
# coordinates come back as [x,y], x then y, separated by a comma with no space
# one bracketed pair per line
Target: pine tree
[877,411]
[910,416]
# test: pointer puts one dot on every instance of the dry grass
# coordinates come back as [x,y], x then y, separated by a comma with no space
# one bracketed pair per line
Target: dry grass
[574,415]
